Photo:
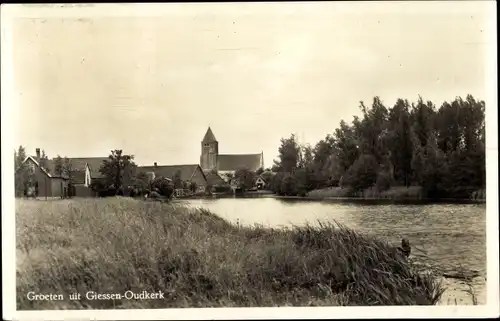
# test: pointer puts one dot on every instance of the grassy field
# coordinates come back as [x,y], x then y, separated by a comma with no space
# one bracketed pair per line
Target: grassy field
[200,260]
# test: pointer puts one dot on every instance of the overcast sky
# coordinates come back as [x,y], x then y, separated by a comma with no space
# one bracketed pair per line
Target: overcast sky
[255,73]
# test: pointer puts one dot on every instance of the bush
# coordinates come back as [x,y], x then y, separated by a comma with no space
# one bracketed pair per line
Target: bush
[163,186]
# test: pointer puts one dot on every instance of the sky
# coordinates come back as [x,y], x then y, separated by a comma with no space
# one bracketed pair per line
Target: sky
[150,82]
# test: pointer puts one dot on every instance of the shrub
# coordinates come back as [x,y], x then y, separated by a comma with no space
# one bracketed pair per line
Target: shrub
[163,186]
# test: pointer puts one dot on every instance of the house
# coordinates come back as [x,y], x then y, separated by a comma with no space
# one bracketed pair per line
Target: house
[33,179]
[188,173]
[84,170]
[214,179]
[210,158]
[260,183]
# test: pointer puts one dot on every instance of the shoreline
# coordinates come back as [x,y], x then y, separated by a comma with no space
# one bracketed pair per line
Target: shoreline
[345,199]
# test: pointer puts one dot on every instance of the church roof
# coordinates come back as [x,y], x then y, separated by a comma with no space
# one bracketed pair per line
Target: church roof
[209,136]
[236,161]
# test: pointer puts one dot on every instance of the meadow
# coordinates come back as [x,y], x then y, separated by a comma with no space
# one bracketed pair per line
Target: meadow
[198,259]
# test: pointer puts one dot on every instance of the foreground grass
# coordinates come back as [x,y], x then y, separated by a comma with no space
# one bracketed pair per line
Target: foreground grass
[200,260]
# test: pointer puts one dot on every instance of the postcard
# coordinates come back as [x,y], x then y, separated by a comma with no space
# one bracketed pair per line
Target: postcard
[249,160]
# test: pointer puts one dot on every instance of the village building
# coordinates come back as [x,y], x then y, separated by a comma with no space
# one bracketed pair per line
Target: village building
[84,170]
[76,182]
[215,170]
[31,179]
[187,173]
[260,183]
[215,180]
[226,164]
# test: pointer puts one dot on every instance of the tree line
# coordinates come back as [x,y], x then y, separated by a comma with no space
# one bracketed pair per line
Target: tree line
[441,150]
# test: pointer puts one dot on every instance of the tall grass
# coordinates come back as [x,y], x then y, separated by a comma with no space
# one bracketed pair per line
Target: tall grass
[200,260]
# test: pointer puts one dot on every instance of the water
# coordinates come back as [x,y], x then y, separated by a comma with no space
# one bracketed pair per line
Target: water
[451,236]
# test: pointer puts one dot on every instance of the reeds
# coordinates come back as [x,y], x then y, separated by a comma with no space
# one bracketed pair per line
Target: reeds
[200,260]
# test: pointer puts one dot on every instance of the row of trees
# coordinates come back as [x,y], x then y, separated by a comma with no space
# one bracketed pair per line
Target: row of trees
[442,150]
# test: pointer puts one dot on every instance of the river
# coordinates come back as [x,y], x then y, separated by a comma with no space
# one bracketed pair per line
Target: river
[448,236]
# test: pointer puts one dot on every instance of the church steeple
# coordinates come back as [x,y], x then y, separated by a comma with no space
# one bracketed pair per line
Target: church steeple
[209,136]
[209,151]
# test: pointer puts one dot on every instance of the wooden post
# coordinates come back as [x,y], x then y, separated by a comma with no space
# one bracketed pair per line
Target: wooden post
[45,188]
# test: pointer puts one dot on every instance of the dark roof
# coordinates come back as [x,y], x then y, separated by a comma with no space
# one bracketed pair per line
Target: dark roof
[78,177]
[236,161]
[78,164]
[187,171]
[45,170]
[209,137]
[213,178]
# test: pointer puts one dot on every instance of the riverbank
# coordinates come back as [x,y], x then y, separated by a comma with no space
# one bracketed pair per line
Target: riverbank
[393,194]
[198,259]
[372,200]
[401,194]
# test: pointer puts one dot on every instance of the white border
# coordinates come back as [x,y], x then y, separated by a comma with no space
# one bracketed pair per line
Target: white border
[8,110]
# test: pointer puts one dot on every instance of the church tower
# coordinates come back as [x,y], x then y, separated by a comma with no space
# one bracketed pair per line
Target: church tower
[209,151]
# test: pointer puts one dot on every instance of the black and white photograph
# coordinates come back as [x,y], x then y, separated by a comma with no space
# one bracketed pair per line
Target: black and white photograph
[289,159]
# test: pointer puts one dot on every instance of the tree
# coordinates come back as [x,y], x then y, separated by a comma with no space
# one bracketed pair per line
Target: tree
[141,180]
[163,186]
[67,168]
[441,150]
[58,165]
[288,154]
[346,145]
[245,177]
[307,158]
[43,161]
[321,160]
[193,187]
[20,156]
[267,177]
[401,150]
[362,174]
[176,180]
[288,186]
[422,117]
[369,129]
[117,169]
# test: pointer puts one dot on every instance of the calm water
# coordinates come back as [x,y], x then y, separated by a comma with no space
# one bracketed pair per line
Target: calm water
[451,235]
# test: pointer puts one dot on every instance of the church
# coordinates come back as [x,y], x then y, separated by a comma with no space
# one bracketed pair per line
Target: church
[210,158]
